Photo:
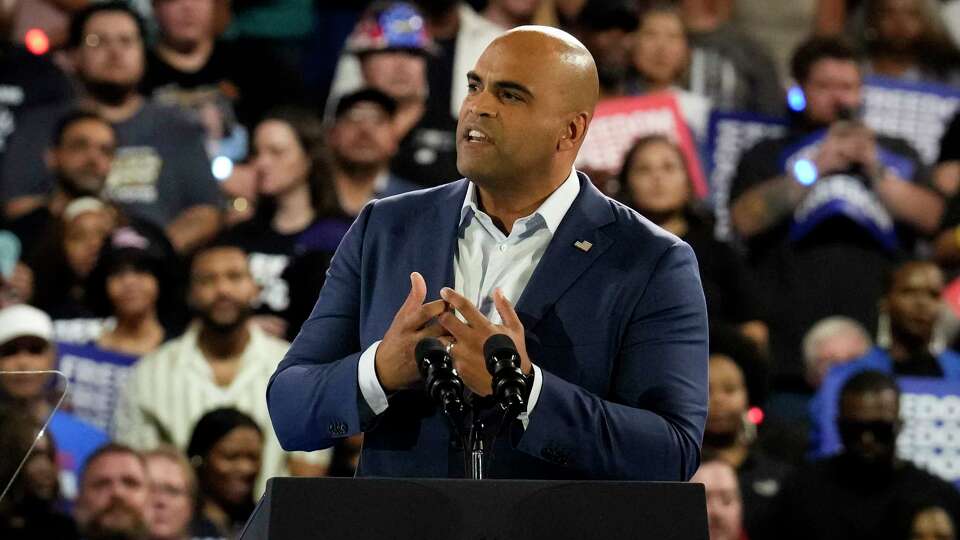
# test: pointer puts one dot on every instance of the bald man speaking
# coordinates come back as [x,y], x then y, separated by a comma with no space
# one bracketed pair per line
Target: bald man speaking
[606,309]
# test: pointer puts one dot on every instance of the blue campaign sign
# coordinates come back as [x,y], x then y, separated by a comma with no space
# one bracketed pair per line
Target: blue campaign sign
[96,378]
[930,438]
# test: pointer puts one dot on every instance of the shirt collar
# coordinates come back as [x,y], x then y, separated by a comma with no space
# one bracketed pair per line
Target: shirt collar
[553,209]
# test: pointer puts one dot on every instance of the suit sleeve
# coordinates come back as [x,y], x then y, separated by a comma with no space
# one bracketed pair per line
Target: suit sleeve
[651,425]
[313,397]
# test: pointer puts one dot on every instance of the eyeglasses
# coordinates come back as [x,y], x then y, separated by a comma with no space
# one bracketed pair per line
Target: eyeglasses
[33,346]
[99,41]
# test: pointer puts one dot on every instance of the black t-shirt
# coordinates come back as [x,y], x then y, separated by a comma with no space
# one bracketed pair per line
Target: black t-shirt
[27,81]
[233,80]
[922,365]
[838,268]
[761,478]
[427,155]
[950,141]
[831,500]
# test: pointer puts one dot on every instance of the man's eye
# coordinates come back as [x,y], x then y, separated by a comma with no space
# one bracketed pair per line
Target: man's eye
[510,96]
[473,87]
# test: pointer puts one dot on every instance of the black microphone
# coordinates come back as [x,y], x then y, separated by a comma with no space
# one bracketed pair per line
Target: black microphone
[443,383]
[509,383]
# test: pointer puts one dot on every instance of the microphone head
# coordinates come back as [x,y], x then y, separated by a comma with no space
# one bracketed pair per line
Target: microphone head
[427,347]
[498,345]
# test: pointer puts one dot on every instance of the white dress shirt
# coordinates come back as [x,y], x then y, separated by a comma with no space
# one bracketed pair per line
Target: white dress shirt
[486,260]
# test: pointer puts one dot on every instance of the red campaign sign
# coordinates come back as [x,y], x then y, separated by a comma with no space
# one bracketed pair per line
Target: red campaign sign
[619,122]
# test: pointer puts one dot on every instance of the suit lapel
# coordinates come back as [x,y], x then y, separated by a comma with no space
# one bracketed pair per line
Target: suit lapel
[564,262]
[437,232]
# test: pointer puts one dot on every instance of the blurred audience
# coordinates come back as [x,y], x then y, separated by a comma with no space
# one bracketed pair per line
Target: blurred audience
[173,497]
[362,143]
[928,522]
[859,492]
[26,345]
[160,171]
[512,13]
[726,65]
[655,181]
[28,511]
[946,174]
[79,158]
[226,450]
[661,58]
[905,40]
[912,304]
[606,28]
[114,495]
[830,342]
[827,210]
[298,213]
[222,360]
[724,505]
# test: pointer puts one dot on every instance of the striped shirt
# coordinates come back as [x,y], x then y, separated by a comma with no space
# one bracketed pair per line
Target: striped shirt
[170,389]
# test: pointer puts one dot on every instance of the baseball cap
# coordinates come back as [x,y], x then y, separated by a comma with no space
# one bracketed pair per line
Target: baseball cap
[390,26]
[366,95]
[23,320]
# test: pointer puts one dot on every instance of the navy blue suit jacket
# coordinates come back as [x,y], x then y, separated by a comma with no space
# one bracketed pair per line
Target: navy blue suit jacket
[619,331]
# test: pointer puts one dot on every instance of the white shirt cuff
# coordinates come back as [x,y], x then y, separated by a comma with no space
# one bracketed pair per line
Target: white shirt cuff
[370,387]
[524,417]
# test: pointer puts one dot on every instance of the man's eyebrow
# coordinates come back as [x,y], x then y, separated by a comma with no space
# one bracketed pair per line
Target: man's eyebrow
[502,85]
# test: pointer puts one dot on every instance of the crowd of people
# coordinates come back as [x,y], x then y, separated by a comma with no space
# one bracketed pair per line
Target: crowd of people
[176,175]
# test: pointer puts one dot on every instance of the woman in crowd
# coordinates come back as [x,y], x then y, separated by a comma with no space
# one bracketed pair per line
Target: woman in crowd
[655,182]
[297,213]
[225,451]
[661,56]
[28,511]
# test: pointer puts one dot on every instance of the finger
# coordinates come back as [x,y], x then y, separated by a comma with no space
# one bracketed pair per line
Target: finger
[457,328]
[464,306]
[428,311]
[433,331]
[418,291]
[507,314]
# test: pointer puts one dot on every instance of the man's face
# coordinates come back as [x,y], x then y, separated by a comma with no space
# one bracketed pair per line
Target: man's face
[611,51]
[221,288]
[512,119]
[868,425]
[836,349]
[520,9]
[363,136]
[113,497]
[900,24]
[913,302]
[724,506]
[25,353]
[184,23]
[399,74]
[831,86]
[82,159]
[933,524]
[660,49]
[111,50]
[171,504]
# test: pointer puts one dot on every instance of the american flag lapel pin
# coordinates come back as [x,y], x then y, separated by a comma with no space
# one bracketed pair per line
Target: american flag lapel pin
[583,245]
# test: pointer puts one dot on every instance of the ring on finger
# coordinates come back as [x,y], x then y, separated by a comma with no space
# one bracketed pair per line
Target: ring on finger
[450,346]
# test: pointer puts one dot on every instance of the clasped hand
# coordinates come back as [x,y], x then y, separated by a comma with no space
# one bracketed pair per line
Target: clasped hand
[395,364]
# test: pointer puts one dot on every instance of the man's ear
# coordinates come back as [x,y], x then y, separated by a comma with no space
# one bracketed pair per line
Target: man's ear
[574,132]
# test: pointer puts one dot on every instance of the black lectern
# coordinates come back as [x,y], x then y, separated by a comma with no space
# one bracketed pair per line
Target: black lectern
[427,509]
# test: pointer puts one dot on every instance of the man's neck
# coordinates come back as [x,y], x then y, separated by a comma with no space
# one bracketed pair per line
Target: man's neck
[505,206]
[294,210]
[892,65]
[409,113]
[905,350]
[136,335]
[220,346]
[188,58]
[116,114]
[58,202]
[356,185]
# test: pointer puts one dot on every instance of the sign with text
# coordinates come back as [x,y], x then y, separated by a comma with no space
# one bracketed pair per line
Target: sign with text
[930,409]
[96,379]
[619,122]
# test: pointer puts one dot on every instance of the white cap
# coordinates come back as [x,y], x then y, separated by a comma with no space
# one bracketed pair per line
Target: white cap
[23,320]
[82,206]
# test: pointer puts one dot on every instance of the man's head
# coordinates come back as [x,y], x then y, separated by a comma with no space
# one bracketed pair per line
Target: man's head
[222,288]
[107,40]
[362,137]
[81,153]
[606,28]
[912,301]
[832,341]
[173,493]
[827,71]
[529,102]
[516,10]
[26,335]
[660,51]
[869,419]
[184,24]
[114,493]
[724,504]
[392,44]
